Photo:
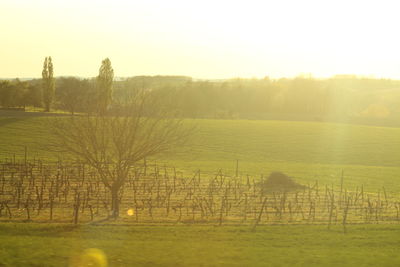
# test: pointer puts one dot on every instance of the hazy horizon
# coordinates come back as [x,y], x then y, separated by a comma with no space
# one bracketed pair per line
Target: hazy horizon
[205,41]
[300,75]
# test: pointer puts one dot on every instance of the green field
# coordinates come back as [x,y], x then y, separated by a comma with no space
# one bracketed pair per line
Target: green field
[59,245]
[308,151]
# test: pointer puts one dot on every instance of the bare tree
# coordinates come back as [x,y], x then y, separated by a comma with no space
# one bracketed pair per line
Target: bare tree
[141,127]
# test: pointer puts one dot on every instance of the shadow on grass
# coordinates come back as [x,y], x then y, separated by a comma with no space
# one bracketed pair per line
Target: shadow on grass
[18,115]
[28,229]
[6,121]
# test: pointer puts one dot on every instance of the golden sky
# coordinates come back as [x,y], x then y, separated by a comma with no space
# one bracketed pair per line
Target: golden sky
[202,39]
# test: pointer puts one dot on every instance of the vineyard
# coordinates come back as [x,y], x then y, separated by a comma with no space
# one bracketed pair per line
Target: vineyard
[72,192]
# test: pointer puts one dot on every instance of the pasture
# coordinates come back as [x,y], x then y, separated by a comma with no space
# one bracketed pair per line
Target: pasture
[307,151]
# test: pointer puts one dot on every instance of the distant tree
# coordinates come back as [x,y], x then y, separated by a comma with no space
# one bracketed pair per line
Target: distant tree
[34,95]
[5,93]
[20,94]
[71,93]
[48,83]
[104,86]
[13,93]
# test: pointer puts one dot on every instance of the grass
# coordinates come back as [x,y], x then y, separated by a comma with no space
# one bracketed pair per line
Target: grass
[58,245]
[308,151]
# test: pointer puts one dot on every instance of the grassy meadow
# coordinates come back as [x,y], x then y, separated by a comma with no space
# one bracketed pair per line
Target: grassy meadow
[63,245]
[308,151]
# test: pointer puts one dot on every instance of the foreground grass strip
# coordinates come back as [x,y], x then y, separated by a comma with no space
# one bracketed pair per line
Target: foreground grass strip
[57,245]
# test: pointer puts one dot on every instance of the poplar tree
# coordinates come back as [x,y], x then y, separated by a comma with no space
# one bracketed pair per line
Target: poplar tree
[48,83]
[104,86]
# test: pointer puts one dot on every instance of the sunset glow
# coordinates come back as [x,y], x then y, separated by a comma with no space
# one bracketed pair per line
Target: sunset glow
[207,39]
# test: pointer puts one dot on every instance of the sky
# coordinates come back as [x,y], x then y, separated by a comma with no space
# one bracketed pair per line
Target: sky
[206,39]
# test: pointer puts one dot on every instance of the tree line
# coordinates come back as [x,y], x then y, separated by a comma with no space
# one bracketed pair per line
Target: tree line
[341,95]
[64,93]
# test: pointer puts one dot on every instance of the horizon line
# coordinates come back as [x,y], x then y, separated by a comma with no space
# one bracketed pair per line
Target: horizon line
[301,75]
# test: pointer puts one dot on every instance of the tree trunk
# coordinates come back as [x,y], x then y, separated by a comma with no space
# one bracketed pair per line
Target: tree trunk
[114,202]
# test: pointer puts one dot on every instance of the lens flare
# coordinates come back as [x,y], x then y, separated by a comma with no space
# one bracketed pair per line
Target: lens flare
[130,212]
[90,257]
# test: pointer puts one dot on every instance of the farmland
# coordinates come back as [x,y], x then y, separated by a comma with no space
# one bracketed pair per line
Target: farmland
[308,151]
[194,210]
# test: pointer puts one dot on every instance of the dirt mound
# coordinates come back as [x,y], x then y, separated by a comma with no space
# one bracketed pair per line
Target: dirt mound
[278,181]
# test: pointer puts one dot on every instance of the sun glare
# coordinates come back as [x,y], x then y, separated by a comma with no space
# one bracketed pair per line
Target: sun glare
[130,212]
[214,39]
[90,257]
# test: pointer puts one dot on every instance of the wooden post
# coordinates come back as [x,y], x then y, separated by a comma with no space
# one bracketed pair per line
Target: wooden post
[237,168]
[25,155]
[76,207]
[345,212]
[145,167]
[260,214]
[341,187]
